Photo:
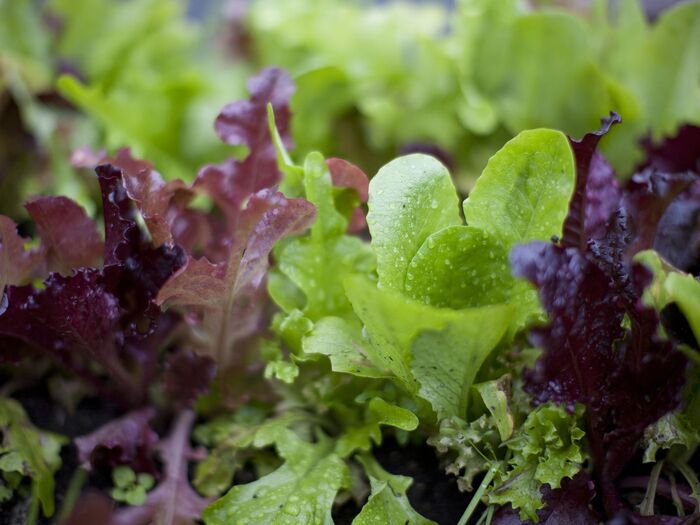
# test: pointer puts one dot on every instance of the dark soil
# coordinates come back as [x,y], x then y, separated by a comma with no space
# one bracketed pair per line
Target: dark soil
[433,494]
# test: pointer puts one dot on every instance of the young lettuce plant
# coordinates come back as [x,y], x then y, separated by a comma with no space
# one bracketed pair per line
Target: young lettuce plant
[395,342]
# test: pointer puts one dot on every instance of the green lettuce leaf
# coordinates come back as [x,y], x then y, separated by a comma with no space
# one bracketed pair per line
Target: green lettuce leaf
[387,503]
[545,450]
[409,199]
[524,192]
[302,490]
[446,362]
[29,452]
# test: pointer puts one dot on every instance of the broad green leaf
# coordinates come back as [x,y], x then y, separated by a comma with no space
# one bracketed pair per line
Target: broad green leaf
[458,267]
[379,412]
[560,43]
[387,503]
[302,490]
[39,451]
[524,192]
[445,362]
[409,199]
[671,64]
[392,321]
[342,342]
[496,396]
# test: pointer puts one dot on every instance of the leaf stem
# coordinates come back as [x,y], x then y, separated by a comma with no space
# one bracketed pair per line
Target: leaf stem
[478,494]
[692,480]
[676,497]
[646,507]
[74,486]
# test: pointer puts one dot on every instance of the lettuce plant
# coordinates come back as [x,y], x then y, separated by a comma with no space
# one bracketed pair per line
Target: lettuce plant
[541,335]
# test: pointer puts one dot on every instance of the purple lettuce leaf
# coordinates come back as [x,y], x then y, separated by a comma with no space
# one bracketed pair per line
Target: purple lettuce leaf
[172,502]
[568,505]
[224,294]
[627,378]
[187,375]
[128,440]
[646,197]
[675,154]
[244,122]
[102,316]
[596,194]
[678,232]
[17,265]
[69,238]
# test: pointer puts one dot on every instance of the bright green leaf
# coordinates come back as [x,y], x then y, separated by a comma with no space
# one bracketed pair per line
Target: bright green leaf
[496,396]
[524,192]
[458,267]
[546,449]
[392,321]
[342,342]
[387,503]
[409,199]
[446,362]
[302,490]
[360,437]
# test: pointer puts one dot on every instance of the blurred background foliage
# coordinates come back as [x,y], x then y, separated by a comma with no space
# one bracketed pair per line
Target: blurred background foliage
[374,79]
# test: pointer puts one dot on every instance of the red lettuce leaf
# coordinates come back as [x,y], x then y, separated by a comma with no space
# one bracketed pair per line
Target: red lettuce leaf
[223,293]
[596,194]
[172,502]
[69,238]
[675,154]
[17,265]
[346,175]
[187,375]
[152,196]
[568,505]
[128,440]
[102,316]
[244,122]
